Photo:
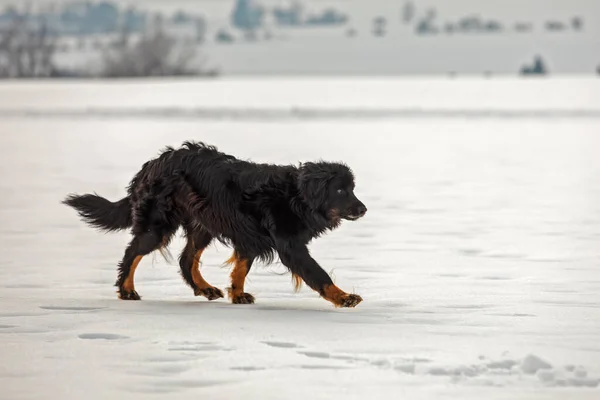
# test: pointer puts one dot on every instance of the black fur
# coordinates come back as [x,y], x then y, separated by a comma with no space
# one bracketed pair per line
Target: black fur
[101,213]
[261,210]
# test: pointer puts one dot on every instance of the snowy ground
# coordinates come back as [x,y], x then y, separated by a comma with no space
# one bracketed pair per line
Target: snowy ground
[478,260]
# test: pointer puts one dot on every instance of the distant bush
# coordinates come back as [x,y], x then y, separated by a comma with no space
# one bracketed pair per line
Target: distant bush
[27,51]
[523,27]
[555,26]
[154,53]
[223,36]
[538,67]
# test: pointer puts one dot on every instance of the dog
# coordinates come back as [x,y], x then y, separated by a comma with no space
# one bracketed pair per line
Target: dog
[260,210]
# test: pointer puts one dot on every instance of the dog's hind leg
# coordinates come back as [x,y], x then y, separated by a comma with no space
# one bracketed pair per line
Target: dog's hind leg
[241,267]
[189,262]
[139,246]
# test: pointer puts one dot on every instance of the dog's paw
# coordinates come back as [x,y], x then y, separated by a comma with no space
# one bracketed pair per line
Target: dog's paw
[131,295]
[211,293]
[243,298]
[349,300]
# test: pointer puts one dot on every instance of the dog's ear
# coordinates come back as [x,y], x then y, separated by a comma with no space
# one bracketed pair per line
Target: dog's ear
[312,185]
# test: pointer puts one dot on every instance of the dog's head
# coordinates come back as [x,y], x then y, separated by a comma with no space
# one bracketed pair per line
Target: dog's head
[329,188]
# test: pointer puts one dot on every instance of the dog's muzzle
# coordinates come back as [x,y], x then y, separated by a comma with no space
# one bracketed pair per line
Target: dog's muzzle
[356,212]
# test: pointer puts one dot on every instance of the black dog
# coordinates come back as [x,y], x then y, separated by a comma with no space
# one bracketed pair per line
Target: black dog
[259,209]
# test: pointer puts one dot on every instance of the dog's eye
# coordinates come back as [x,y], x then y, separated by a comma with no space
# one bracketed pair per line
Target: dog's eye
[341,191]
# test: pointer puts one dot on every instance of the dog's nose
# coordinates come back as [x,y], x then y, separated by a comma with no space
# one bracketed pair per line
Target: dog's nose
[362,210]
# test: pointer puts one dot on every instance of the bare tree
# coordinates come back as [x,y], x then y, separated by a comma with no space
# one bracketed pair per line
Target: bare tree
[154,53]
[26,51]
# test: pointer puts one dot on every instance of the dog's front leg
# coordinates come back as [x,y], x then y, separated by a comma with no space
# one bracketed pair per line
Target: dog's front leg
[300,263]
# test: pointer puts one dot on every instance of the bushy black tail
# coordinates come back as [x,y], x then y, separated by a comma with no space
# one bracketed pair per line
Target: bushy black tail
[101,213]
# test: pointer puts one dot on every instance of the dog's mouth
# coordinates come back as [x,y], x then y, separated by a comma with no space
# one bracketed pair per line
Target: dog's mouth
[348,215]
[355,213]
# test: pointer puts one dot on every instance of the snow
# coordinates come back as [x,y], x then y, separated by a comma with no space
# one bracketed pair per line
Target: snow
[169,96]
[532,364]
[477,261]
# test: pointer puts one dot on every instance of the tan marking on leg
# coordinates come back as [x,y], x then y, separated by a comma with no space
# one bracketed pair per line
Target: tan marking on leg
[340,298]
[333,293]
[238,277]
[232,259]
[297,281]
[128,284]
[196,275]
[203,288]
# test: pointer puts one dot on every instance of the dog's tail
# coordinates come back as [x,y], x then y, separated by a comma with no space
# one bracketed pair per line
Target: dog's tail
[100,212]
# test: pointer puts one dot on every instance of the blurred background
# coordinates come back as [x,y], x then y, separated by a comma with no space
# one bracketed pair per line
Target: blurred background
[61,38]
[472,128]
